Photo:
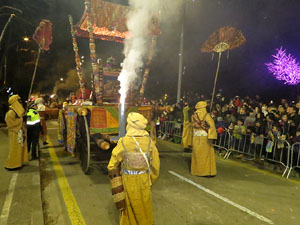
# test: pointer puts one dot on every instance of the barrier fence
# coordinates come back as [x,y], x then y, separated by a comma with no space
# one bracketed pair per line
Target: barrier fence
[280,152]
[295,158]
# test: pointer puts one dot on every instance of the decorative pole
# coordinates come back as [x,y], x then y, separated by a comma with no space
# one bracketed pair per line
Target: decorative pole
[97,82]
[34,72]
[219,48]
[101,72]
[147,69]
[215,83]
[43,37]
[77,60]
[8,21]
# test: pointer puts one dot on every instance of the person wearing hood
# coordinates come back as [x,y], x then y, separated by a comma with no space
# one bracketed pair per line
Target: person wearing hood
[18,154]
[187,133]
[133,167]
[203,156]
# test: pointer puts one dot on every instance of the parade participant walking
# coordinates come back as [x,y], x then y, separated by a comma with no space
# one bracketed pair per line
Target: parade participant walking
[41,108]
[187,133]
[33,130]
[18,154]
[203,157]
[136,158]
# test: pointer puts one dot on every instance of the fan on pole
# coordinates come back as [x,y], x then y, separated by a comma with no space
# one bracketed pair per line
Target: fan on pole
[226,38]
[43,37]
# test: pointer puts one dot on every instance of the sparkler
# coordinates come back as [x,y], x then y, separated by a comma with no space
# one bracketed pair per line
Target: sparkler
[135,48]
[285,67]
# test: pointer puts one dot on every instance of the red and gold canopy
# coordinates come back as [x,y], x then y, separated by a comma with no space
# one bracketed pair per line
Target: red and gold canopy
[109,22]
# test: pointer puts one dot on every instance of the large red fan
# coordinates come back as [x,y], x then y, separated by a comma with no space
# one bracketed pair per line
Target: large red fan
[226,38]
[43,35]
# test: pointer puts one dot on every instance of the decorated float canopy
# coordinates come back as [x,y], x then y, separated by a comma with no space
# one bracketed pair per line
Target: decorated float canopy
[109,22]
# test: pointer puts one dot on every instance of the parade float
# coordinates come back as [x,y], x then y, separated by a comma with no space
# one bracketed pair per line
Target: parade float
[91,128]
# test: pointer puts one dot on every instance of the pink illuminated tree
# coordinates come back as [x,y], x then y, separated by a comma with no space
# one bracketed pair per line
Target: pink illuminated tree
[285,67]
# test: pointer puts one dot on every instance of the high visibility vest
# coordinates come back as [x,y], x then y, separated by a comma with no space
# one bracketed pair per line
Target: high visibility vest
[158,121]
[33,117]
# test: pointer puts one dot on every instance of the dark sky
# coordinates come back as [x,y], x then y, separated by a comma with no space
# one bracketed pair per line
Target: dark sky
[266,24]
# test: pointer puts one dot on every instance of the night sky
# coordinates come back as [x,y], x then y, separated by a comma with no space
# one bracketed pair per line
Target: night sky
[266,24]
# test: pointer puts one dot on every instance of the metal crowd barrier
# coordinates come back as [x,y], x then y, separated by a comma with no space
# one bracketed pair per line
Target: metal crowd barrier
[260,148]
[224,143]
[171,130]
[279,152]
[295,158]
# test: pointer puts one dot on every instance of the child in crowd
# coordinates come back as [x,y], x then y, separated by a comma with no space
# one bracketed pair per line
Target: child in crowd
[284,125]
[275,139]
[238,132]
[220,126]
[239,129]
[257,138]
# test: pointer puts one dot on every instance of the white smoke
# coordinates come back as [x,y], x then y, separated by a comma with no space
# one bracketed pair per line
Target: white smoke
[137,44]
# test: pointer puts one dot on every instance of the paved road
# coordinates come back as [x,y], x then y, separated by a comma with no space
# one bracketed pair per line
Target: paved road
[239,194]
[20,195]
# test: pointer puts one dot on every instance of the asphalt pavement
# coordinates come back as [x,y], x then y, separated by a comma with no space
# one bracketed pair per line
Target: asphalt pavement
[20,191]
[241,194]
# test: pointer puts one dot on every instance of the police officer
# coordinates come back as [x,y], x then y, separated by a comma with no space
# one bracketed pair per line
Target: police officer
[33,130]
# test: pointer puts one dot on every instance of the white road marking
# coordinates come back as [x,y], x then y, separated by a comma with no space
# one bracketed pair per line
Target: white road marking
[8,200]
[244,209]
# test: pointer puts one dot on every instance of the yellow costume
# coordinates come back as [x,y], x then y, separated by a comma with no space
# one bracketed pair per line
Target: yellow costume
[203,157]
[18,153]
[138,158]
[187,133]
[153,132]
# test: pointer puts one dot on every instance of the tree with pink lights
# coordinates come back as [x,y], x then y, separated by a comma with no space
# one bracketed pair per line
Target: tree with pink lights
[285,67]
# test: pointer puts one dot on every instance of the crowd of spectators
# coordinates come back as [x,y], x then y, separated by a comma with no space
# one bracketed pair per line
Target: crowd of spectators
[252,116]
[246,115]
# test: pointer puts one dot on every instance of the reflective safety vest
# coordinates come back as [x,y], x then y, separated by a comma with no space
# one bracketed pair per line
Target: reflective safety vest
[158,121]
[33,117]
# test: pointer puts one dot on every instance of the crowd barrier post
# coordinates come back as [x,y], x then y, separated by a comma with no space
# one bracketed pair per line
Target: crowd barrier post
[280,152]
[295,158]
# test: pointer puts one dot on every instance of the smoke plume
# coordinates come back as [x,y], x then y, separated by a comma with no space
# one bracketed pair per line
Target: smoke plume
[137,45]
[69,84]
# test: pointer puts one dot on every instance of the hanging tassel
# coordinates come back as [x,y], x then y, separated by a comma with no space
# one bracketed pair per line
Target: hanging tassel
[228,54]
[212,56]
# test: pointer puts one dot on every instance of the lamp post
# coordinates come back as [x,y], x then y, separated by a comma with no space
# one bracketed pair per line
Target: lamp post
[181,48]
[9,19]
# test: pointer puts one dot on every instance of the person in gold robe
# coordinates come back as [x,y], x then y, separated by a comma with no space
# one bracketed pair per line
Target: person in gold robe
[203,156]
[18,154]
[138,160]
[187,133]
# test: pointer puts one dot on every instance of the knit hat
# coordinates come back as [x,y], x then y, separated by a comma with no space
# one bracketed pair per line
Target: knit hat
[13,99]
[39,101]
[137,121]
[201,104]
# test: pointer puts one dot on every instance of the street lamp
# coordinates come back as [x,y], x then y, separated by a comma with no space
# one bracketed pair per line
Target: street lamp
[61,79]
[25,38]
